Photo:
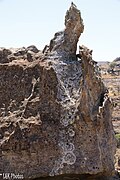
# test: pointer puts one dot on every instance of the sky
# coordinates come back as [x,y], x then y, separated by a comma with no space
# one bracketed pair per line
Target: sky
[34,22]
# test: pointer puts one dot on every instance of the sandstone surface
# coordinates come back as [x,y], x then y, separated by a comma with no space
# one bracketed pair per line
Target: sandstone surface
[55,114]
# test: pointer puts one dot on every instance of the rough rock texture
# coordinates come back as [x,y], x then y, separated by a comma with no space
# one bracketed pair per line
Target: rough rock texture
[65,42]
[55,115]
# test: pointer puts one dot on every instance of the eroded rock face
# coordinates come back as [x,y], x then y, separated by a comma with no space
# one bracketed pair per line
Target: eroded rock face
[65,42]
[55,115]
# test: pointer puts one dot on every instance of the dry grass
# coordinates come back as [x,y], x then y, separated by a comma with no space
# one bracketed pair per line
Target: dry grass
[113,84]
[117,157]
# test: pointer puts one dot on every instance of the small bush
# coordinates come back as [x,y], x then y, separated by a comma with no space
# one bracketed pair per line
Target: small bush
[118,140]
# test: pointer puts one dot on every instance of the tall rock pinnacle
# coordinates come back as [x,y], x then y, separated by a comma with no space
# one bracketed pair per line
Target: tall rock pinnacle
[66,41]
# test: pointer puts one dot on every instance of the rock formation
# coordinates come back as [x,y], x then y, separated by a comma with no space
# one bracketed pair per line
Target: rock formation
[55,115]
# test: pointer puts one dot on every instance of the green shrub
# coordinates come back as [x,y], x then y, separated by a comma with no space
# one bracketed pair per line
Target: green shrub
[118,140]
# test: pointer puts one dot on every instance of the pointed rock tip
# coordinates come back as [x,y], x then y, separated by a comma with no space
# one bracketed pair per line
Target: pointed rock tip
[73,19]
[72,4]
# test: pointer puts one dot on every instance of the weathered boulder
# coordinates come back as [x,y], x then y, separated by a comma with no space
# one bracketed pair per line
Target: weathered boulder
[55,115]
[4,55]
[33,49]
